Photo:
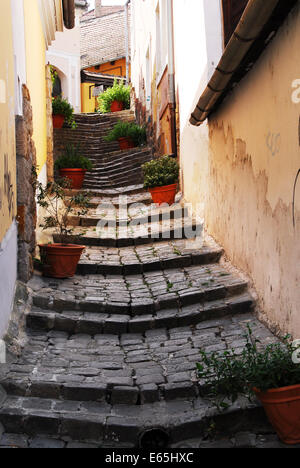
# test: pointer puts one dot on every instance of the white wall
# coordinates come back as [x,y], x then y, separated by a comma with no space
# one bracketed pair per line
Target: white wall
[8,275]
[198,48]
[64,54]
[19,52]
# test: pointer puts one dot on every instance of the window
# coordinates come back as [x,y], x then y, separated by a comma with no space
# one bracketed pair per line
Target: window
[161,36]
[232,12]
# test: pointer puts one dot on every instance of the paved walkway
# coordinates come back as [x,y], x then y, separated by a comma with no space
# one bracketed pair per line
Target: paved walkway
[110,358]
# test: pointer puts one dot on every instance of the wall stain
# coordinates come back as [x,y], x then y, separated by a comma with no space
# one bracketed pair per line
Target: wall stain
[273,142]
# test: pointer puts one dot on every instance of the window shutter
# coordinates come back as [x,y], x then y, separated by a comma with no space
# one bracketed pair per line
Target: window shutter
[232,12]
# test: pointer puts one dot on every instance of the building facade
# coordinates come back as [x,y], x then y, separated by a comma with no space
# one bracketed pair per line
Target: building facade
[231,70]
[27,29]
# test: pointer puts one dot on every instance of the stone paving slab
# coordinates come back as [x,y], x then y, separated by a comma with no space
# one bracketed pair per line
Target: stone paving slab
[94,324]
[121,424]
[127,369]
[155,256]
[137,294]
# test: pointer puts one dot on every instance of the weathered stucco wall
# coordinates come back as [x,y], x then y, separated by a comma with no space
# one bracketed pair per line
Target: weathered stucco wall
[252,165]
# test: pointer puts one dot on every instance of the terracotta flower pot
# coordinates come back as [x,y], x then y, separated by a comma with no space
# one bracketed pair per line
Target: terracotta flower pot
[126,143]
[76,176]
[58,121]
[117,106]
[60,260]
[165,194]
[282,406]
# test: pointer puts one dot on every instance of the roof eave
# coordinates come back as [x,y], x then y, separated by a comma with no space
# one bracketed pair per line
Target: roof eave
[255,30]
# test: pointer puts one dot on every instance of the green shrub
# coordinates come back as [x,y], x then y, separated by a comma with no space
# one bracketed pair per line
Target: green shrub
[160,172]
[230,374]
[130,130]
[61,106]
[72,158]
[119,92]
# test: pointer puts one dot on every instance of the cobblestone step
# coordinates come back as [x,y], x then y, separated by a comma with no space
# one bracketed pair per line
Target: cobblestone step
[153,257]
[137,294]
[109,236]
[134,215]
[117,323]
[86,383]
[109,426]
[134,369]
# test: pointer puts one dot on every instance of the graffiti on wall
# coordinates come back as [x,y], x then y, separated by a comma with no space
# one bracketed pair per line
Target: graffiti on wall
[273,142]
[8,186]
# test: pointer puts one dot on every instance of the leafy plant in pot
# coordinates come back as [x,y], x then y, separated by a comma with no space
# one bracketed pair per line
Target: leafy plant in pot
[72,165]
[128,134]
[272,373]
[114,99]
[60,259]
[62,112]
[161,178]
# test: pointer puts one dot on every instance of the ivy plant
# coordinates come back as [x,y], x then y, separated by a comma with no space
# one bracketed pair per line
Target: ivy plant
[230,374]
[129,130]
[160,172]
[118,92]
[71,158]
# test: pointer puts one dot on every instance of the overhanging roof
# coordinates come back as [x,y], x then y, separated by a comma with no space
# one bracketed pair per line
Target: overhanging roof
[257,27]
[99,78]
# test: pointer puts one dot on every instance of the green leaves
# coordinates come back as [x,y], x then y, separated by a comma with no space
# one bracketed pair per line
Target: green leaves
[128,130]
[228,375]
[58,206]
[119,92]
[160,172]
[61,106]
[73,159]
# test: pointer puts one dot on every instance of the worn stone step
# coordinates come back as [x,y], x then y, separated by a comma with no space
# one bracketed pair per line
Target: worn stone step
[134,215]
[137,294]
[152,257]
[111,192]
[108,425]
[133,369]
[125,236]
[103,323]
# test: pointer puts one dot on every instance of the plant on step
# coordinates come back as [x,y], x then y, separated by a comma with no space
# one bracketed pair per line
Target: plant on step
[131,130]
[61,106]
[73,165]
[118,92]
[271,372]
[72,158]
[60,259]
[161,177]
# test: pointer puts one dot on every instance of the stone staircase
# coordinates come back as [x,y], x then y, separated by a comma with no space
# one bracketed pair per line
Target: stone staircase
[111,355]
[112,167]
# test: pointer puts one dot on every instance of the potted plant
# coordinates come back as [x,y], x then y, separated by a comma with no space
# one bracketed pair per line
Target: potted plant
[128,134]
[271,373]
[161,178]
[115,99]
[72,165]
[62,112]
[60,260]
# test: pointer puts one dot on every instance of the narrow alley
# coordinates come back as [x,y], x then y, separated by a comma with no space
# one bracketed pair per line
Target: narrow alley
[148,289]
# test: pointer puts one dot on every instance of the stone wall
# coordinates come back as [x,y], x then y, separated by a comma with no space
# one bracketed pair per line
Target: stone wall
[26,206]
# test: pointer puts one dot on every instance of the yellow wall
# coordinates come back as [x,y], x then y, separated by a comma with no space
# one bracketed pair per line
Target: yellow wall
[7,122]
[36,77]
[88,104]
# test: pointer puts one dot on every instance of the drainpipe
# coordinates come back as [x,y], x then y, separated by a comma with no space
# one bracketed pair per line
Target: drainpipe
[171,77]
[127,40]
